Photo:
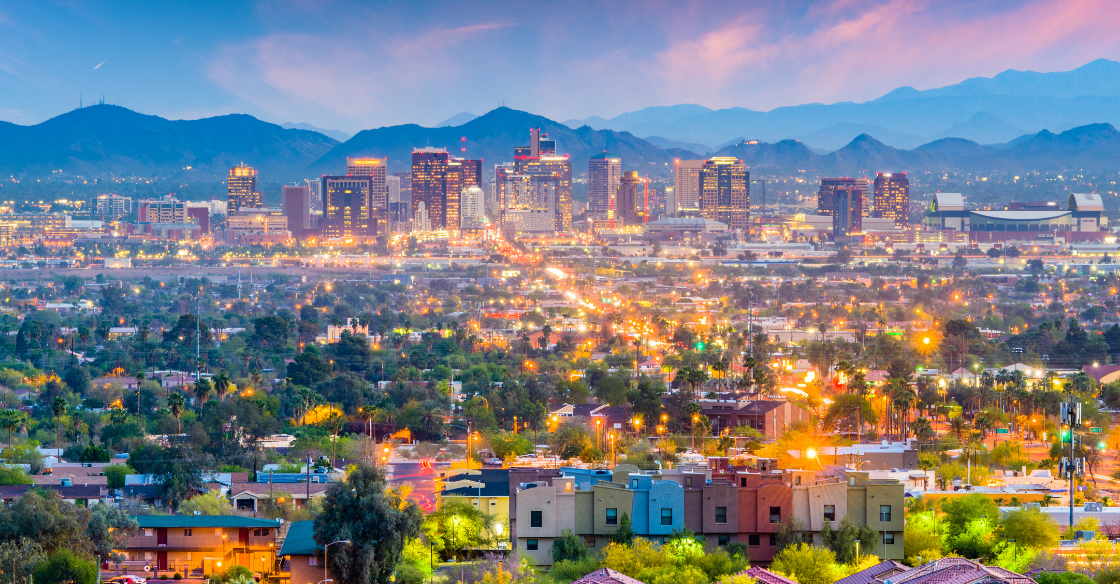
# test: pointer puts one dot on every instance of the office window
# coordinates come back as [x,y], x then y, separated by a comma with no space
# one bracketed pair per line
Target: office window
[721,514]
[773,539]
[612,516]
[666,516]
[688,481]
[775,515]
[188,532]
[754,540]
[589,540]
[531,545]
[884,512]
[888,538]
[312,561]
[536,519]
[830,512]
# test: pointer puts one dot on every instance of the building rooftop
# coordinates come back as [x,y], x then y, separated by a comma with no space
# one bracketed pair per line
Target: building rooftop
[1021,215]
[179,521]
[300,540]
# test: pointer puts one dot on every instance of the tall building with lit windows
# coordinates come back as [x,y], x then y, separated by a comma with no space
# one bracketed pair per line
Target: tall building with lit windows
[346,208]
[892,198]
[828,188]
[604,172]
[429,179]
[241,188]
[633,199]
[374,168]
[552,174]
[686,187]
[725,194]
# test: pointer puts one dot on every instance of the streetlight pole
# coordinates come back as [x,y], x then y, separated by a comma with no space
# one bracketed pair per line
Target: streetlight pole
[325,548]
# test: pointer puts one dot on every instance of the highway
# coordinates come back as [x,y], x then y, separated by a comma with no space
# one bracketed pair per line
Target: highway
[421,476]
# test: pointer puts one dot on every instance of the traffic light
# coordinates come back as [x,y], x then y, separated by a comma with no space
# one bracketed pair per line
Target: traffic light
[1101,445]
[699,346]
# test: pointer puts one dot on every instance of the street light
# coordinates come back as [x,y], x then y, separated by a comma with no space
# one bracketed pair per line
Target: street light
[325,579]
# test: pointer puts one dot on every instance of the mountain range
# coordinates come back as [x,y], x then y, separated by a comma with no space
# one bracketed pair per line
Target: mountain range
[984,110]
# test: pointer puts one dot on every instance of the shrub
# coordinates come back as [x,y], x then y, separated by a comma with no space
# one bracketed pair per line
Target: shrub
[177,576]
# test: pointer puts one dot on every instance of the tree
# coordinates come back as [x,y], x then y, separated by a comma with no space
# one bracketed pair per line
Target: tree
[269,331]
[209,503]
[115,475]
[959,511]
[1029,527]
[108,530]
[58,407]
[222,385]
[568,547]
[611,390]
[807,564]
[377,521]
[202,390]
[175,469]
[63,567]
[11,420]
[624,533]
[177,403]
[308,368]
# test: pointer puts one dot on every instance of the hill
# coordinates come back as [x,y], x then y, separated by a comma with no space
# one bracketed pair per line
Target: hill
[104,140]
[493,136]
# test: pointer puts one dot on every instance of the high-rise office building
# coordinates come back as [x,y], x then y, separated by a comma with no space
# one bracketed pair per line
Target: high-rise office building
[296,203]
[603,174]
[725,193]
[847,211]
[825,194]
[892,197]
[241,188]
[112,206]
[165,210]
[686,186]
[461,174]
[429,183]
[472,210]
[633,199]
[346,213]
[375,169]
[540,159]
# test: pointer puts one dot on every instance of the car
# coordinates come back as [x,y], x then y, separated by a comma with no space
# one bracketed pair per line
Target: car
[126,579]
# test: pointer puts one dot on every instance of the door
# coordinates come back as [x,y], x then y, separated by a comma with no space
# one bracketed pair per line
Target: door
[161,561]
[161,536]
[243,536]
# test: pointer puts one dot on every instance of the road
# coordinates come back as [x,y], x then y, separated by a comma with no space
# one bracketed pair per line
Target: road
[421,476]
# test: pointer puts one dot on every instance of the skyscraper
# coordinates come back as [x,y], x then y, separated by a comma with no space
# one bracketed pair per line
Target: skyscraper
[429,180]
[686,191]
[296,202]
[847,211]
[892,197]
[375,169]
[725,193]
[633,199]
[241,188]
[603,174]
[346,213]
[539,159]
[825,195]
[472,210]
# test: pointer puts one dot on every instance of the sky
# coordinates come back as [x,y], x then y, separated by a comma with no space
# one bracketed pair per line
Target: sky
[355,65]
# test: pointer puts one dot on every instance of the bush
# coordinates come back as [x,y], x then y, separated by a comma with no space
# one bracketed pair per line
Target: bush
[410,573]
[235,575]
[64,567]
[572,570]
[177,576]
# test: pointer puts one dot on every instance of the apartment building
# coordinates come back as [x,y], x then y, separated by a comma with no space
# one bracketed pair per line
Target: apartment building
[193,545]
[723,504]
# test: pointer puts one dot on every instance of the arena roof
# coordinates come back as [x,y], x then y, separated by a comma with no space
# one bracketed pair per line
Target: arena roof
[1022,215]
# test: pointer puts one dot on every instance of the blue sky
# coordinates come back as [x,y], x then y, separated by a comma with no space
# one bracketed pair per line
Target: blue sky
[351,66]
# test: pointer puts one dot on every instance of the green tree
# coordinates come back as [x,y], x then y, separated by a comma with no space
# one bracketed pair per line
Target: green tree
[807,564]
[458,526]
[115,475]
[568,547]
[10,476]
[177,404]
[1029,527]
[11,420]
[209,503]
[624,533]
[610,390]
[177,470]
[377,521]
[63,567]
[108,530]
[959,511]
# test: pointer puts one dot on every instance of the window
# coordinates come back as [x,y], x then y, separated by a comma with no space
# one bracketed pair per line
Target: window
[830,512]
[536,519]
[531,545]
[666,516]
[807,538]
[260,533]
[589,540]
[775,515]
[688,481]
[188,532]
[888,538]
[312,561]
[721,514]
[724,540]
[796,481]
[149,532]
[743,482]
[612,516]
[754,540]
[773,539]
[884,512]
[633,483]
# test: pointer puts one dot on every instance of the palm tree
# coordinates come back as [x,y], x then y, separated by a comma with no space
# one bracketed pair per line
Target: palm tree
[177,402]
[58,407]
[546,337]
[11,420]
[202,390]
[922,429]
[222,385]
[431,414]
[958,425]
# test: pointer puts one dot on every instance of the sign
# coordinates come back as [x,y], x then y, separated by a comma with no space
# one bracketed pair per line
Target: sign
[1002,431]
[1095,430]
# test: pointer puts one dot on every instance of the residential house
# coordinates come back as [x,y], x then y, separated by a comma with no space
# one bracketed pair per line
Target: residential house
[302,556]
[194,545]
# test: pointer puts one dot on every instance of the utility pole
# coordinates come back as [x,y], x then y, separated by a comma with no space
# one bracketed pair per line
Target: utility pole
[1071,466]
[197,336]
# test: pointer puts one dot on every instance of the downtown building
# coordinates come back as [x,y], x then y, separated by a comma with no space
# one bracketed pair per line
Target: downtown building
[892,198]
[686,188]
[604,174]
[725,193]
[241,189]
[826,202]
[437,184]
[1082,220]
[536,192]
[633,199]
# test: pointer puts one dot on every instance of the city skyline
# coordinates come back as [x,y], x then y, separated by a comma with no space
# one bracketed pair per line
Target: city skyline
[269,61]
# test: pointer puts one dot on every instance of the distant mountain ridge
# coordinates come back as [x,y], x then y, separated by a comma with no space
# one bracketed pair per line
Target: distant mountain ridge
[111,140]
[1008,105]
